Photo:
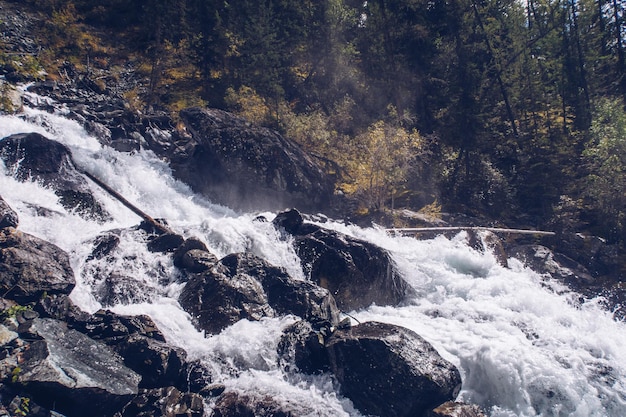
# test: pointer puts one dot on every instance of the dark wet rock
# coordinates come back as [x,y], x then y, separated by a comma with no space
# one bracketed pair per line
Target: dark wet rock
[164,402]
[235,404]
[104,245]
[33,156]
[599,257]
[8,217]
[244,286]
[488,242]
[389,370]
[357,273]
[194,256]
[112,328]
[189,244]
[301,298]
[31,267]
[60,307]
[221,297]
[14,403]
[196,260]
[195,377]
[158,363]
[118,288]
[456,409]
[290,221]
[301,349]
[69,372]
[167,242]
[248,167]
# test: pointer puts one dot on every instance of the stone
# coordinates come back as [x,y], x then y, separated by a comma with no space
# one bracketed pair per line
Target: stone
[248,167]
[301,298]
[158,363]
[221,297]
[456,409]
[390,370]
[8,217]
[357,273]
[164,402]
[194,256]
[235,404]
[31,267]
[195,377]
[104,245]
[113,328]
[33,156]
[167,242]
[544,261]
[67,371]
[244,286]
[301,349]
[118,288]
[196,260]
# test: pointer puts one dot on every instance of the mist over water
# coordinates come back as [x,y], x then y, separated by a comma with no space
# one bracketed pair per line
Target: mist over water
[525,345]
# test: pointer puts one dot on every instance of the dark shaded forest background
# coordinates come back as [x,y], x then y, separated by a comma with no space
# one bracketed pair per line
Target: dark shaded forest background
[509,109]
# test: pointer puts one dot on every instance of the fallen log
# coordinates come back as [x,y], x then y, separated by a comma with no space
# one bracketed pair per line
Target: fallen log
[472,228]
[157,226]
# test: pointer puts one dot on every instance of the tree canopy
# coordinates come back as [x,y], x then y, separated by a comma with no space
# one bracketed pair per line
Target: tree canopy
[504,107]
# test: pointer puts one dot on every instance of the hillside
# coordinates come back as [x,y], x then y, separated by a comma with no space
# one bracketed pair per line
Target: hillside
[508,113]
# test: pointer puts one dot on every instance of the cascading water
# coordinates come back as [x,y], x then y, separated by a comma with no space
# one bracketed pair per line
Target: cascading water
[525,345]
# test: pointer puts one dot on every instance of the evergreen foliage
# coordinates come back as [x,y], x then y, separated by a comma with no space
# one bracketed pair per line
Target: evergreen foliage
[501,92]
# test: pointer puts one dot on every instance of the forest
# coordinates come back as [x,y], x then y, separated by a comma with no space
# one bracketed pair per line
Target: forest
[512,109]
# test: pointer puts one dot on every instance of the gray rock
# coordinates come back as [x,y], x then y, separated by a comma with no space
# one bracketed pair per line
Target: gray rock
[248,167]
[456,409]
[165,402]
[221,297]
[235,404]
[357,273]
[69,372]
[8,217]
[33,156]
[558,266]
[159,364]
[389,370]
[31,267]
[244,286]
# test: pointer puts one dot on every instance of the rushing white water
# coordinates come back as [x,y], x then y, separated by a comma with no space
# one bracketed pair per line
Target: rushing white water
[525,345]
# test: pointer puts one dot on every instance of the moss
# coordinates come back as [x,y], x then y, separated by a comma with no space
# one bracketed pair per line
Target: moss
[12,311]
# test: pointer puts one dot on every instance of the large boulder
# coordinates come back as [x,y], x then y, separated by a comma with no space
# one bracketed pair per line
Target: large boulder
[31,267]
[33,156]
[248,167]
[387,370]
[67,371]
[221,297]
[357,273]
[244,286]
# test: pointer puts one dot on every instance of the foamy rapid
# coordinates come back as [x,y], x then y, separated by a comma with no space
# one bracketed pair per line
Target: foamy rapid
[524,344]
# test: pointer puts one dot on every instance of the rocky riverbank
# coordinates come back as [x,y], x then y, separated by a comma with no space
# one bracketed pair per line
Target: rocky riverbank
[59,359]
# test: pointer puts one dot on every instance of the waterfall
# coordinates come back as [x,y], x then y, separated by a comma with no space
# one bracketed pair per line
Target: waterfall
[525,344]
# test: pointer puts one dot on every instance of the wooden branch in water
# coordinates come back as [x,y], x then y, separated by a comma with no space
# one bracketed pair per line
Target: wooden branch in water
[473,228]
[157,226]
